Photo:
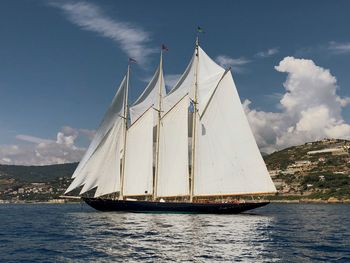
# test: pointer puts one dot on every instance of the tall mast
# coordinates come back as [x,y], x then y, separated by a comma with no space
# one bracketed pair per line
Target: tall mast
[155,178]
[194,122]
[125,117]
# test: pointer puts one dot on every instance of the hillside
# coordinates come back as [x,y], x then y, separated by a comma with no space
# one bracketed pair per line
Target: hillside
[40,183]
[316,170]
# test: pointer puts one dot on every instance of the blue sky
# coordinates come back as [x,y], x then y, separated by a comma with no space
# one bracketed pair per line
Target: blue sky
[61,61]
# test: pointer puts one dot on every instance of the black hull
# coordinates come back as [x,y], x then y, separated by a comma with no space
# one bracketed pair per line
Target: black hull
[171,207]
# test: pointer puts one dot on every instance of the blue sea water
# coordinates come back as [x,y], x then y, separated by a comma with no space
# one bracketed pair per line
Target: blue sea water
[77,233]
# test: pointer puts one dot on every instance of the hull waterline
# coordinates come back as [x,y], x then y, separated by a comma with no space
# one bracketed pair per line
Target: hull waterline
[170,207]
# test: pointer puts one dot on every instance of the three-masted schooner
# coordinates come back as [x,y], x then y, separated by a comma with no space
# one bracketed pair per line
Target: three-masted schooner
[190,150]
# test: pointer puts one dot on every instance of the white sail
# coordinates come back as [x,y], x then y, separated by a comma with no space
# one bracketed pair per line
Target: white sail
[149,96]
[228,160]
[103,169]
[138,176]
[209,73]
[86,172]
[182,87]
[173,152]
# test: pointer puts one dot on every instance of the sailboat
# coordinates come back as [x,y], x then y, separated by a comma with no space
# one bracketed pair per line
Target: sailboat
[188,151]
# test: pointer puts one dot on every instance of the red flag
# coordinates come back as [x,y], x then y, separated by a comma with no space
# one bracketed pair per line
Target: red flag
[164,48]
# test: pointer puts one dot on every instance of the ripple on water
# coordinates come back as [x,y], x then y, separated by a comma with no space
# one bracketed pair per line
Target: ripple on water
[276,233]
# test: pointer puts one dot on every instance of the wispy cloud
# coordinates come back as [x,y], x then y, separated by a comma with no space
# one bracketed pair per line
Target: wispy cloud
[339,48]
[267,53]
[32,139]
[236,63]
[131,39]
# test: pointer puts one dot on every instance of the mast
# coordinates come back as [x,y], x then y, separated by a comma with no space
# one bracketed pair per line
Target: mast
[125,117]
[194,123]
[155,178]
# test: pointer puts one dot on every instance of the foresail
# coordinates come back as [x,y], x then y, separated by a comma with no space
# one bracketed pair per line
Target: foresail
[173,152]
[228,160]
[149,96]
[112,118]
[138,176]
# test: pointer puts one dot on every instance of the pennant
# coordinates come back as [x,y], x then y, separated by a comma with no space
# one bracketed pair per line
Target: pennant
[131,60]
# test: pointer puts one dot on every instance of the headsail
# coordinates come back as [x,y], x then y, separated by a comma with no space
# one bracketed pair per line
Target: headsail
[109,130]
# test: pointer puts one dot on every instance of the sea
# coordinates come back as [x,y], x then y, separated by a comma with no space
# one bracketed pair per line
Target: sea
[78,233]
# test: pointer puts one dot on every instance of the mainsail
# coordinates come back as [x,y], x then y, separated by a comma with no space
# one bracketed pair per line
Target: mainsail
[225,159]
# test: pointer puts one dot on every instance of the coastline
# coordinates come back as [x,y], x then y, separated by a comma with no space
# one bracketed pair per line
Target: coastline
[277,201]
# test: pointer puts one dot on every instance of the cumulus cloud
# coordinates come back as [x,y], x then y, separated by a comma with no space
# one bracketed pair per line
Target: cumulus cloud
[132,39]
[45,151]
[267,53]
[236,63]
[310,108]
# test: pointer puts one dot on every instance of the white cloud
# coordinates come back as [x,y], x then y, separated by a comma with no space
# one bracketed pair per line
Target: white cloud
[132,39]
[310,108]
[339,48]
[33,139]
[45,151]
[236,63]
[267,53]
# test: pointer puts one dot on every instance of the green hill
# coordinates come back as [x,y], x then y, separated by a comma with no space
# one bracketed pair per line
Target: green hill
[316,170]
[36,174]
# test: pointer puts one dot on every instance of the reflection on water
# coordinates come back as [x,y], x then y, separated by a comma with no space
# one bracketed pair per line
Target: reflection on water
[74,233]
[178,237]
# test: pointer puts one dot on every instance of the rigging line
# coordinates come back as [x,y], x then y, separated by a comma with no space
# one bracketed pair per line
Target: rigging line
[150,107]
[174,105]
[212,95]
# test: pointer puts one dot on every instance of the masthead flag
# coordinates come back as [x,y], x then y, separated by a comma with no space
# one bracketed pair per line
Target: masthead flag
[200,30]
[164,48]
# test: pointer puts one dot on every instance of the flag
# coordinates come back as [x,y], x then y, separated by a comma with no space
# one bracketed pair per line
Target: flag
[200,30]
[131,60]
[164,48]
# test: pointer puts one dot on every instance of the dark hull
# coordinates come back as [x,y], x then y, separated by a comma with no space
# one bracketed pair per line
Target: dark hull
[171,207]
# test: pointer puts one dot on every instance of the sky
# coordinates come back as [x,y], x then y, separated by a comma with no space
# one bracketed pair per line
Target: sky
[61,63]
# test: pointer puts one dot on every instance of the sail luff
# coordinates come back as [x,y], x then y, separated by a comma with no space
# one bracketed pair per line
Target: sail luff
[156,174]
[125,116]
[194,122]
